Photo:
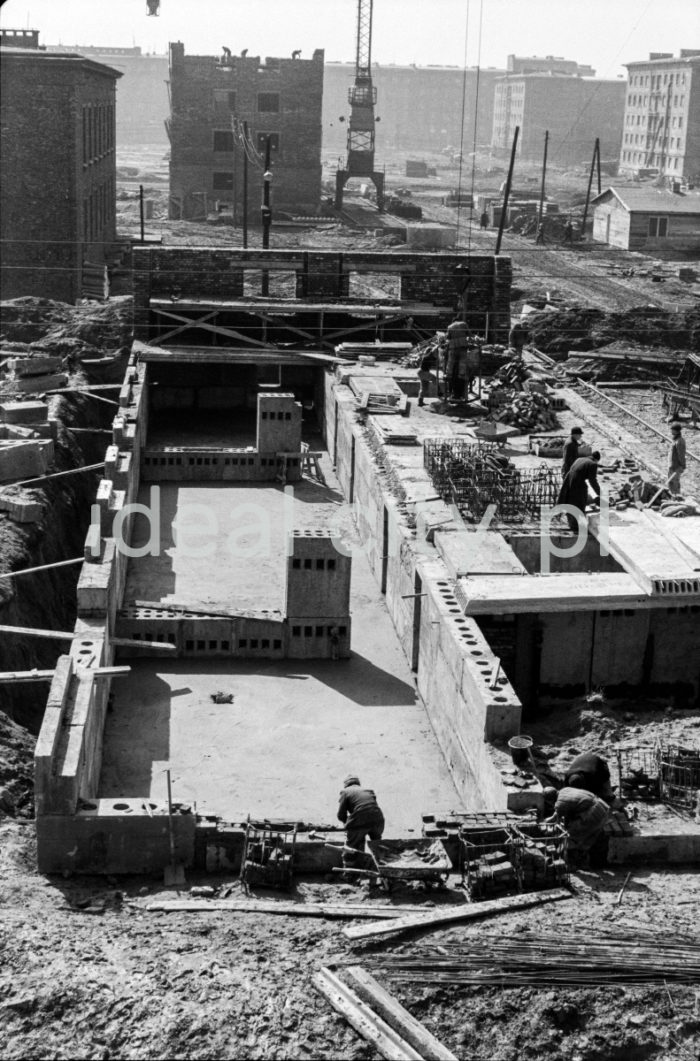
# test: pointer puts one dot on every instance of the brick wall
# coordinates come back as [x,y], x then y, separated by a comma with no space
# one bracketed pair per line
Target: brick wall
[281,97]
[44,182]
[478,286]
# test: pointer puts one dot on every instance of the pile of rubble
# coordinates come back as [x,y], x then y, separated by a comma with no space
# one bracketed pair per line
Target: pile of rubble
[528,412]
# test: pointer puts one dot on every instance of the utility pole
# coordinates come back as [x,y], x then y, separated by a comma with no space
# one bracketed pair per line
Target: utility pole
[266,214]
[506,196]
[245,184]
[141,217]
[544,174]
[596,158]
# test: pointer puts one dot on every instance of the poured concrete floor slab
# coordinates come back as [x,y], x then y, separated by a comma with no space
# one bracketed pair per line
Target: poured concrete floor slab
[295,728]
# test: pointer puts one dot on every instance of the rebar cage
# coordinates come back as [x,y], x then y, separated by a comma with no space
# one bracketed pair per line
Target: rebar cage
[638,773]
[473,476]
[679,776]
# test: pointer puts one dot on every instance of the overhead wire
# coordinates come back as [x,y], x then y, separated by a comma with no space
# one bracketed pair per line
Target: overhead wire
[461,124]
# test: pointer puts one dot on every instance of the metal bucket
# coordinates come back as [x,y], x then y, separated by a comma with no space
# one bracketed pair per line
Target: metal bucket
[520,750]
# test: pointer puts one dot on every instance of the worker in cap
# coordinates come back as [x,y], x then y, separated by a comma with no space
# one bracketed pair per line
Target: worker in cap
[574,490]
[571,450]
[359,811]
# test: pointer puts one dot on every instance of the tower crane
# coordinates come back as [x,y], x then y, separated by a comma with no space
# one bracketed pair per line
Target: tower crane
[362,97]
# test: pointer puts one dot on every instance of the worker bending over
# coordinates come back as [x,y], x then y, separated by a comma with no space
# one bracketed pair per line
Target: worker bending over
[574,489]
[584,817]
[360,813]
[588,771]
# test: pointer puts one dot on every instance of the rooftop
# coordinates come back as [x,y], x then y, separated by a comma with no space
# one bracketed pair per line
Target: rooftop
[644,199]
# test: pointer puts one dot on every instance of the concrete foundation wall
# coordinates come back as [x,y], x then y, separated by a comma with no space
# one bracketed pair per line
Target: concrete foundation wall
[453,663]
[179,464]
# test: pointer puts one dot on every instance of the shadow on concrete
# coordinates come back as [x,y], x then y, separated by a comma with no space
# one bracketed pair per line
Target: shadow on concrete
[137,735]
[362,682]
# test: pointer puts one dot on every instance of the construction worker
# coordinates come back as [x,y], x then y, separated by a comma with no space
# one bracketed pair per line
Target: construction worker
[676,459]
[584,817]
[484,219]
[540,233]
[574,489]
[590,772]
[569,232]
[571,450]
[425,374]
[359,811]
[457,340]
[517,337]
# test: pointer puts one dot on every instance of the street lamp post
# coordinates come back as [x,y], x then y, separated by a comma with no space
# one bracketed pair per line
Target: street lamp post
[266,213]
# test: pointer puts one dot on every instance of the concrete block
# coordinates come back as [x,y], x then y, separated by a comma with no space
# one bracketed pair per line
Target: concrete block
[21,509]
[34,366]
[37,384]
[114,836]
[23,412]
[96,584]
[24,460]
[20,432]
[675,842]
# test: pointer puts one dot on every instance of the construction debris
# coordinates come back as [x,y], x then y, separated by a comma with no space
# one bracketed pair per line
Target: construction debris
[468,912]
[286,909]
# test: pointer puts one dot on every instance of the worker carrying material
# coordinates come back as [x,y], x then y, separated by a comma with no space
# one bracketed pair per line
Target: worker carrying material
[588,771]
[574,489]
[517,337]
[428,363]
[584,817]
[360,813]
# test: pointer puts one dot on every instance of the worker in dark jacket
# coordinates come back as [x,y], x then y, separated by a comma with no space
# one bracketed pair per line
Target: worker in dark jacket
[590,772]
[517,337]
[571,450]
[360,813]
[574,489]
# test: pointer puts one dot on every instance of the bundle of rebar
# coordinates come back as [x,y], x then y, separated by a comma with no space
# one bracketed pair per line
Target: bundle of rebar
[581,957]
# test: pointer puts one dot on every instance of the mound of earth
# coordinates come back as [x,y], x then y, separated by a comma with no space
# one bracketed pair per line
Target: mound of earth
[556,331]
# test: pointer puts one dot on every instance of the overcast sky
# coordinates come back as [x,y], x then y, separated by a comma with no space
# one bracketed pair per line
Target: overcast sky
[604,33]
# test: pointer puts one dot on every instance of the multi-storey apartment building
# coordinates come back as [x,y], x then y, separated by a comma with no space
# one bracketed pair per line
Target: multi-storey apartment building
[57,168]
[560,98]
[211,98]
[661,130]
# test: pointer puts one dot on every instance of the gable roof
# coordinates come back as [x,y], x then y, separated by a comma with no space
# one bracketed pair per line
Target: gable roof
[652,200]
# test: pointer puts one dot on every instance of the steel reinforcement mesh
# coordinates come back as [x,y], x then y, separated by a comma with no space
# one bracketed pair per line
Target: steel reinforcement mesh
[474,475]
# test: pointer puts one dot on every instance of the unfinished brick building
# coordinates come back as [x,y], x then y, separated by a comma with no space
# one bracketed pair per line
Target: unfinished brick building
[211,98]
[58,175]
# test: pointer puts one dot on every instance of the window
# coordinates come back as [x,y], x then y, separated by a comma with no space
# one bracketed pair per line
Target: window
[658,226]
[222,182]
[224,98]
[296,563]
[308,631]
[274,142]
[331,564]
[308,563]
[269,102]
[319,564]
[223,140]
[296,631]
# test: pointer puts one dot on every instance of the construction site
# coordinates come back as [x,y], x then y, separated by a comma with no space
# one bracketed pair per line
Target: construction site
[394,490]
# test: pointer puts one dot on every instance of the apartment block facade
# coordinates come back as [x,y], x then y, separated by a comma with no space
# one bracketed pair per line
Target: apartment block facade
[57,169]
[210,99]
[574,109]
[661,130]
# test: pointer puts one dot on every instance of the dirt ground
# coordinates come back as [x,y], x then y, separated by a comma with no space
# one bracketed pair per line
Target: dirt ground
[87,972]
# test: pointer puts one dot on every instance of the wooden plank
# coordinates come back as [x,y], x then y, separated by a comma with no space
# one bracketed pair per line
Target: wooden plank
[299,306]
[63,635]
[391,1010]
[253,906]
[166,606]
[212,355]
[371,1027]
[549,593]
[181,327]
[42,567]
[47,675]
[467,912]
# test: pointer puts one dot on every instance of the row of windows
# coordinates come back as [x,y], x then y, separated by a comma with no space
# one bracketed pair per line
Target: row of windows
[223,141]
[98,131]
[642,80]
[641,119]
[267,102]
[321,631]
[264,462]
[641,158]
[672,142]
[308,563]
[661,101]
[98,210]
[275,416]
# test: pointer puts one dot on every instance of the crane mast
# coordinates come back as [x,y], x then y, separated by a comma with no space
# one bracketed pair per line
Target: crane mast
[362,96]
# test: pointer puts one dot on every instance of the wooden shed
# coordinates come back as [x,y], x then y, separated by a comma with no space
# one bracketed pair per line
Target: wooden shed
[647,219]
